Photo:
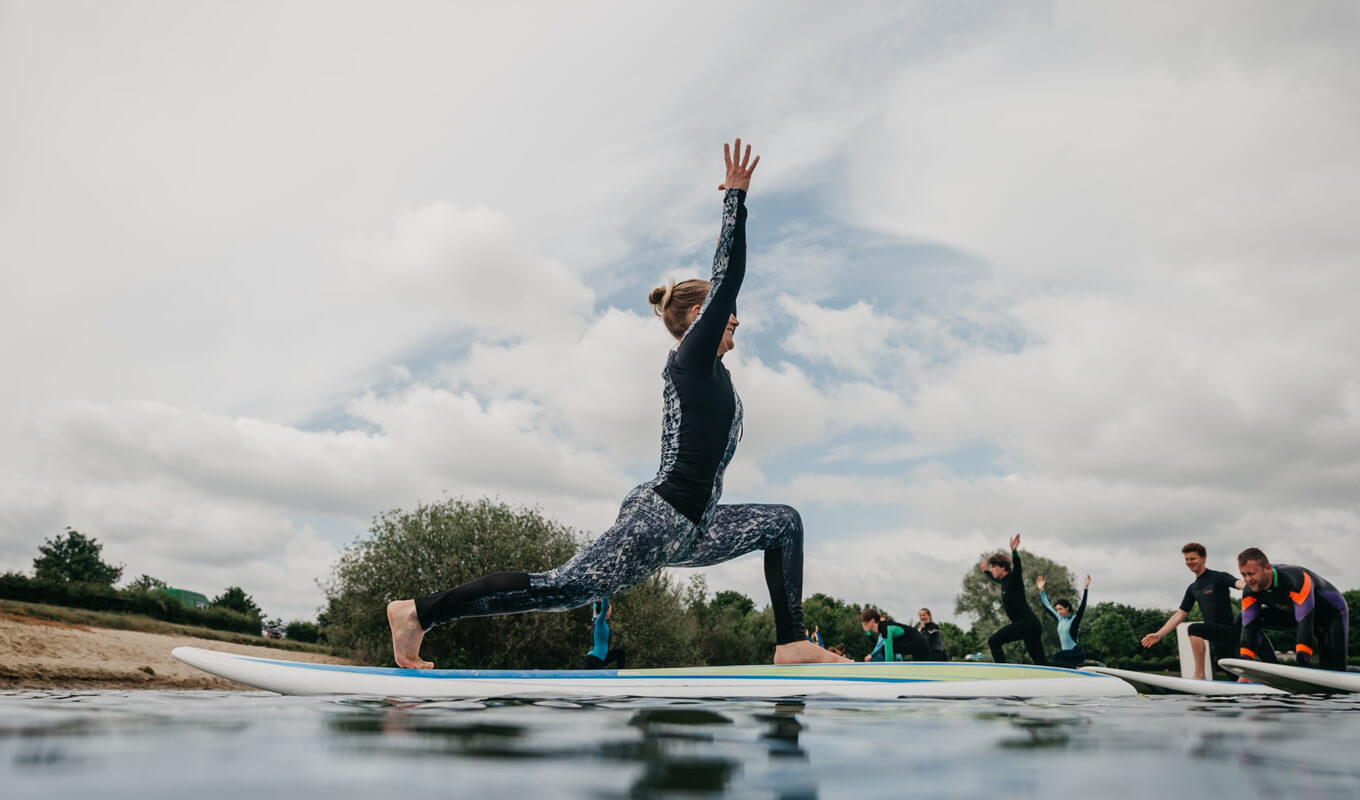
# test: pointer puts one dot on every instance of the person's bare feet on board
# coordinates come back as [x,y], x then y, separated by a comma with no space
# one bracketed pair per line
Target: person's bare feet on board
[406,634]
[804,652]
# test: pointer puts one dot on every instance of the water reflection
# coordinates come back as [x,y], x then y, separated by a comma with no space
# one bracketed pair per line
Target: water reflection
[225,745]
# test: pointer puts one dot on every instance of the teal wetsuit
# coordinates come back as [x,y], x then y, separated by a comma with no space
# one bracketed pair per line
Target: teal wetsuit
[896,639]
[601,653]
[1072,653]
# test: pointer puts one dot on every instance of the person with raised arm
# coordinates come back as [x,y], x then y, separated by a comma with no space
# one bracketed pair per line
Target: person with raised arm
[1072,653]
[1024,626]
[673,520]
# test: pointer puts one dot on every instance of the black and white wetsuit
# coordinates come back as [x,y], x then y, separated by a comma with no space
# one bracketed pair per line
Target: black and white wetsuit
[673,520]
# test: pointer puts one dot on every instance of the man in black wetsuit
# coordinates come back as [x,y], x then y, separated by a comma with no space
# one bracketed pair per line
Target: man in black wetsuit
[1024,624]
[1220,626]
[1293,598]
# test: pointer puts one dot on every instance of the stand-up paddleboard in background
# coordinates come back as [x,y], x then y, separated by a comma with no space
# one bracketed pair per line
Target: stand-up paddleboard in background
[1304,680]
[861,681]
[1149,683]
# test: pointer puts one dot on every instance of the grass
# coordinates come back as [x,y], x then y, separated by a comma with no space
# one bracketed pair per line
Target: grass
[80,617]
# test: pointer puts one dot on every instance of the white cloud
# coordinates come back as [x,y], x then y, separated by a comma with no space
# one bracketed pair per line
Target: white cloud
[406,220]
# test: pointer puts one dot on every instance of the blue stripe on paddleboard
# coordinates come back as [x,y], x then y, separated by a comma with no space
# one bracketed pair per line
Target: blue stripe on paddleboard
[583,674]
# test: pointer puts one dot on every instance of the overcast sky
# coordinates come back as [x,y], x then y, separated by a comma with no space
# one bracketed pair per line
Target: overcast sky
[1086,272]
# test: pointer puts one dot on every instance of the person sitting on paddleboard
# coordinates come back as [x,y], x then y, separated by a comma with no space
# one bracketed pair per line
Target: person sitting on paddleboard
[673,520]
[934,637]
[1285,597]
[894,638]
[601,654]
[1024,625]
[1072,653]
[1221,628]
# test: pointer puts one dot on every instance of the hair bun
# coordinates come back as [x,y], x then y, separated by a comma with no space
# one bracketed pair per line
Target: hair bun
[661,296]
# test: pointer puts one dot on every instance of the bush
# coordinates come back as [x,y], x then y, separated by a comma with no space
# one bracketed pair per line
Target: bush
[98,597]
[302,631]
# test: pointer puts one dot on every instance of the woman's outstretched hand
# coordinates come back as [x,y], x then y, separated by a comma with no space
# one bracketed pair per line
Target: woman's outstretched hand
[739,167]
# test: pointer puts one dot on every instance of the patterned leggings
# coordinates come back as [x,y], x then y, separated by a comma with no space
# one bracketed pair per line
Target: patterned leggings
[648,535]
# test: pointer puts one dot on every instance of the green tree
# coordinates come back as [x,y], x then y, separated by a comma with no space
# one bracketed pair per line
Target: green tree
[1111,637]
[958,642]
[438,545]
[649,622]
[726,629]
[980,598]
[146,583]
[74,557]
[1106,622]
[838,623]
[234,598]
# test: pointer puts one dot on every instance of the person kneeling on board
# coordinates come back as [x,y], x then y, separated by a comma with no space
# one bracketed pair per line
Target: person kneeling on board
[601,654]
[1285,597]
[894,638]
[1221,629]
[1072,653]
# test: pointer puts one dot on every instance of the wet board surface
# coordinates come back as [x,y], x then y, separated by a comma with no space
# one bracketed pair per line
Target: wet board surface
[1149,683]
[1290,678]
[856,680]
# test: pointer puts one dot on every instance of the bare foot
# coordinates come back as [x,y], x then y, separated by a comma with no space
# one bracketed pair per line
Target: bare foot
[804,652]
[406,634]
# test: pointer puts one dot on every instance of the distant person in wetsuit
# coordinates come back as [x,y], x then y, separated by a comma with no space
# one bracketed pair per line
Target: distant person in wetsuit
[894,638]
[1284,597]
[816,636]
[601,654]
[1220,628]
[934,637]
[1023,624]
[1072,653]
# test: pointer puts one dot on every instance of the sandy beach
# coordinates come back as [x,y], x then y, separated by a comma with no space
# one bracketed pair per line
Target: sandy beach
[38,654]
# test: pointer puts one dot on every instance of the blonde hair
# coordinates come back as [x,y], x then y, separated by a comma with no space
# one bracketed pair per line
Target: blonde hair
[673,301]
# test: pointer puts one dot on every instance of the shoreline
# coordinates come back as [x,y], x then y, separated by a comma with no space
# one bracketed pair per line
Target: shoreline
[41,654]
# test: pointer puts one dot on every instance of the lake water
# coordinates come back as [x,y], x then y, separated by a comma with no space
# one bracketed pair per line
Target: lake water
[208,745]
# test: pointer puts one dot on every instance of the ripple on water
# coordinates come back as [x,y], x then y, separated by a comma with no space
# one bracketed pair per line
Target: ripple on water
[229,744]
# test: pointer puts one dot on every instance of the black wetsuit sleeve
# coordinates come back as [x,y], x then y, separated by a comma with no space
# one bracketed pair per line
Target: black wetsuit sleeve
[699,347]
[1076,618]
[1015,568]
[1188,602]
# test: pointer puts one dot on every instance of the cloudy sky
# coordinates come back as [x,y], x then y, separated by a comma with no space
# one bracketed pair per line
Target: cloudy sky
[1077,271]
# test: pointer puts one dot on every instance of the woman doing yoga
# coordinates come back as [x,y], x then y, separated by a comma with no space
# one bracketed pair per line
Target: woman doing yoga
[673,520]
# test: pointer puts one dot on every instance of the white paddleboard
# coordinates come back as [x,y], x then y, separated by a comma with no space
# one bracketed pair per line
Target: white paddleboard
[858,680]
[1149,683]
[1304,680]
